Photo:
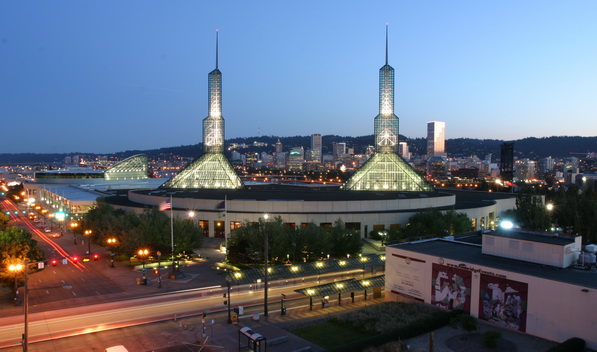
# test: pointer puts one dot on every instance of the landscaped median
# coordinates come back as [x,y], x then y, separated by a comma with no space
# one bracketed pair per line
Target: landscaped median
[375,325]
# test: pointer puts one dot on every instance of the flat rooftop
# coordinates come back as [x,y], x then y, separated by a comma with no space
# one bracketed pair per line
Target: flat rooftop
[532,237]
[471,254]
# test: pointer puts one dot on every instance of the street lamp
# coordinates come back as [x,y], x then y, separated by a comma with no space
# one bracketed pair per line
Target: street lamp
[73,226]
[112,243]
[142,254]
[310,292]
[159,264]
[339,286]
[25,268]
[88,235]
[265,217]
[228,283]
[16,268]
[383,235]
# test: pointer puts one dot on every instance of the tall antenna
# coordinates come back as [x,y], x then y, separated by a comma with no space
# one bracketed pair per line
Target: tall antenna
[386,43]
[217,30]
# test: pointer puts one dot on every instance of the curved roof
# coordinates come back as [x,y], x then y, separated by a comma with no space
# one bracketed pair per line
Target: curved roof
[131,168]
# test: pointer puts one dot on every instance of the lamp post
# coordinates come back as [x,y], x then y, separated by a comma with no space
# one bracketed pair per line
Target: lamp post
[339,286]
[73,226]
[310,292]
[16,268]
[265,217]
[159,264]
[142,254]
[25,268]
[383,235]
[88,235]
[228,283]
[112,243]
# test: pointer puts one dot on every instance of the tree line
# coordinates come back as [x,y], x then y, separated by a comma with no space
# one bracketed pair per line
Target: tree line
[148,230]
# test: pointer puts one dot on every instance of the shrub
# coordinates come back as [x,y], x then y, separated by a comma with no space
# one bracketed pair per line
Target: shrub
[466,322]
[490,338]
[574,344]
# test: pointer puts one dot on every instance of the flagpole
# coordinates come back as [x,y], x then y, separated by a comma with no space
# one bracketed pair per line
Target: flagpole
[226,228]
[172,233]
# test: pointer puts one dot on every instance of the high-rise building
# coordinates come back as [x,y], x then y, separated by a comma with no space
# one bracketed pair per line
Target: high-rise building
[296,158]
[403,150]
[339,150]
[279,146]
[507,161]
[436,138]
[316,147]
[386,170]
[212,169]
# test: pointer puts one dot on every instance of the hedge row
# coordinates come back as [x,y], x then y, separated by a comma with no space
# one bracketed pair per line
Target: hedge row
[434,322]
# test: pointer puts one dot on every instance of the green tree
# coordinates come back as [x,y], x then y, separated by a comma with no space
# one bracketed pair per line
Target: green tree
[15,246]
[531,212]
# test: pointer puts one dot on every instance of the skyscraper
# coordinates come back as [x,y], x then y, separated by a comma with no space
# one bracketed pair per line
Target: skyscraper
[212,169]
[436,138]
[316,147]
[386,170]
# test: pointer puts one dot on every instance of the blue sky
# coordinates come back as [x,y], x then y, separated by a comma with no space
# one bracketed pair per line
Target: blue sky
[107,76]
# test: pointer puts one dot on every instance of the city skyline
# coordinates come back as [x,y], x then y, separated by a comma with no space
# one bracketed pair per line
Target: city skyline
[88,78]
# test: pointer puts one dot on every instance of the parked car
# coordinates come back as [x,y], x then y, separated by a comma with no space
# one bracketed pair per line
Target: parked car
[47,230]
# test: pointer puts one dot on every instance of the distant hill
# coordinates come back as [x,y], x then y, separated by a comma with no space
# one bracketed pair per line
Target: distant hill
[531,147]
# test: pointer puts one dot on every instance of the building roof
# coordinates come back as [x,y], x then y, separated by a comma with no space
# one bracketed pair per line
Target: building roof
[470,253]
[532,237]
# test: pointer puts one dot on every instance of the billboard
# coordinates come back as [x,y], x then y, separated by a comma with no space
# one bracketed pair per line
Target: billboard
[503,302]
[451,288]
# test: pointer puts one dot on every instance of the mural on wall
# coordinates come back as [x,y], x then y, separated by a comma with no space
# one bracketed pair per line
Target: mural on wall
[451,288]
[503,302]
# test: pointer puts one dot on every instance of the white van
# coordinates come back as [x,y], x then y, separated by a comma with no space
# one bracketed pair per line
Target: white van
[119,348]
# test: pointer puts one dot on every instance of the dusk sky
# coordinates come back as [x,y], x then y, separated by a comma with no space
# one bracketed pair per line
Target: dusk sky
[108,76]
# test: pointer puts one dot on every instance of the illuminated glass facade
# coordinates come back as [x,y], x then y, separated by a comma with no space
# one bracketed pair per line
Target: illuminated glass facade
[386,123]
[132,168]
[212,171]
[386,170]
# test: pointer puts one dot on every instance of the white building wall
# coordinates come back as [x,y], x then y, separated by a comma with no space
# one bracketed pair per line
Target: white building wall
[556,310]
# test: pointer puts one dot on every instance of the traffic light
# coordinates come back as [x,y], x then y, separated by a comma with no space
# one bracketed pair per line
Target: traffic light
[204,315]
[156,271]
[224,295]
[54,262]
[16,212]
[95,257]
[225,303]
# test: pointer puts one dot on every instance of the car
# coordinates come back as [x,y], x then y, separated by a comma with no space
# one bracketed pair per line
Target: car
[55,235]
[47,230]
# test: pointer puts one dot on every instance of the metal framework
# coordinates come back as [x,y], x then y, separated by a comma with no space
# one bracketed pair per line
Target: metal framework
[386,170]
[211,171]
[132,168]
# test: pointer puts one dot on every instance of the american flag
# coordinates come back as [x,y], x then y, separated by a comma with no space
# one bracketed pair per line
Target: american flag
[165,205]
[221,205]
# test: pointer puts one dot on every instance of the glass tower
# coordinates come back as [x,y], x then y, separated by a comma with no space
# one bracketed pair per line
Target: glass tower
[386,170]
[212,170]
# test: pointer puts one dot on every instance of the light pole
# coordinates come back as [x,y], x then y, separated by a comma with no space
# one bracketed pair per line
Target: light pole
[112,244]
[159,264]
[16,268]
[142,254]
[73,226]
[88,235]
[265,217]
[25,268]
[310,292]
[228,283]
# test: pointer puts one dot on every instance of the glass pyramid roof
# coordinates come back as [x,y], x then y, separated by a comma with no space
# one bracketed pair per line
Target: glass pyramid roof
[210,171]
[387,172]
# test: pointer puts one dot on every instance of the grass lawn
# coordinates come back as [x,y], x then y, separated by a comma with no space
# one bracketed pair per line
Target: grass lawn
[329,334]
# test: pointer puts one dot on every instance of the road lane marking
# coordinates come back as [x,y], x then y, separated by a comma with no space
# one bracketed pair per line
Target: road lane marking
[74,293]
